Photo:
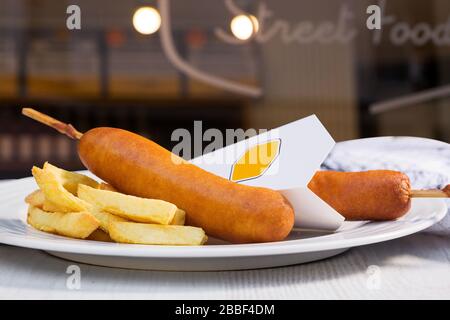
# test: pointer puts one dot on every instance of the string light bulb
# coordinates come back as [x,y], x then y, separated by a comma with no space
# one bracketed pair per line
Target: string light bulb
[244,26]
[146,20]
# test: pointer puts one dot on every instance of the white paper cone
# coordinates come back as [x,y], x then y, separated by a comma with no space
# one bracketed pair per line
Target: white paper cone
[311,212]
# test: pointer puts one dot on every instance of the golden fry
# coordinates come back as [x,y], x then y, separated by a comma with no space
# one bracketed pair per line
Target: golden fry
[129,207]
[36,198]
[71,224]
[52,207]
[54,192]
[141,233]
[70,180]
[105,218]
[179,218]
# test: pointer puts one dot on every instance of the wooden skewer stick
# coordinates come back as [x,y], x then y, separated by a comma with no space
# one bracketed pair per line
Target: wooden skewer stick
[64,128]
[71,132]
[444,193]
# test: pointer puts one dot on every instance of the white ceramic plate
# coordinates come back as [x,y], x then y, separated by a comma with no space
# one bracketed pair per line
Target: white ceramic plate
[300,247]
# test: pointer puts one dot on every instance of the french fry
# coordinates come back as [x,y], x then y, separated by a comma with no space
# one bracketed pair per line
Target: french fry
[70,180]
[61,200]
[99,235]
[141,233]
[36,199]
[106,186]
[52,207]
[71,224]
[179,218]
[105,218]
[129,207]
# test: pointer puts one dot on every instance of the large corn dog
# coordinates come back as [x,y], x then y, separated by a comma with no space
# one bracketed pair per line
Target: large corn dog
[137,166]
[368,195]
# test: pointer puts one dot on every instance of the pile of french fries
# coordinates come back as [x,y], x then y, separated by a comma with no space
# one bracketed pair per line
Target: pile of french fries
[76,206]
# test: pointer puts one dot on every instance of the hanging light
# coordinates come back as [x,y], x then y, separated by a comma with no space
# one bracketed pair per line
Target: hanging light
[146,20]
[244,26]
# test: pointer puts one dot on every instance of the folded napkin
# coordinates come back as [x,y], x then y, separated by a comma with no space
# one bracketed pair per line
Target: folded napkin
[425,161]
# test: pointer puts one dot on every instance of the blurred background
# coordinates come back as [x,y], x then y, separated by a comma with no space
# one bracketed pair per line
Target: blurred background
[299,58]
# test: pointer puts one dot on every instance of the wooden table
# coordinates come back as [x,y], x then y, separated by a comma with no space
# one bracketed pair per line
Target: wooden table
[414,267]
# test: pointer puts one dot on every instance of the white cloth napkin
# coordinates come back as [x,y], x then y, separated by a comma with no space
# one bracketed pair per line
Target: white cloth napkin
[425,161]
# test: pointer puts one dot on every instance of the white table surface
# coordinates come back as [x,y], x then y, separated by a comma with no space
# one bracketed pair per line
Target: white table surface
[414,267]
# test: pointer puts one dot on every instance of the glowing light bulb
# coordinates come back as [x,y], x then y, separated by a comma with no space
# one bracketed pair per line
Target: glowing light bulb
[146,20]
[243,26]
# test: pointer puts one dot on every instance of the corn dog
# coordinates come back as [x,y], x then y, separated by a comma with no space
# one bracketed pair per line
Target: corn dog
[368,195]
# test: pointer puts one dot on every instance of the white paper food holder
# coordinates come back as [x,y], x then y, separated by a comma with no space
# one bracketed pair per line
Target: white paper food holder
[286,159]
